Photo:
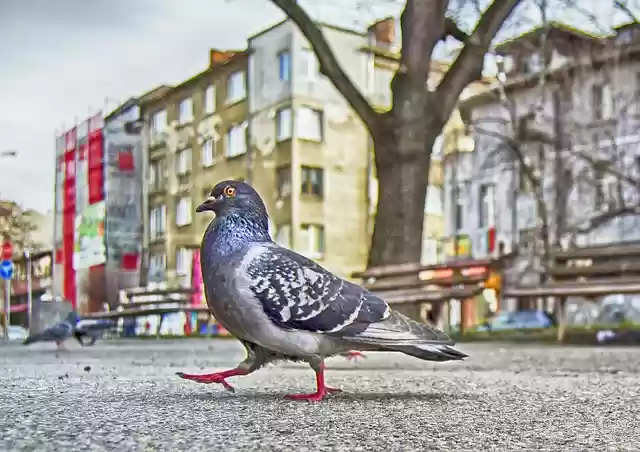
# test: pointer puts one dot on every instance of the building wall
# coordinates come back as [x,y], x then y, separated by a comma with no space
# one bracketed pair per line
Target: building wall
[342,154]
[200,179]
[491,162]
[123,186]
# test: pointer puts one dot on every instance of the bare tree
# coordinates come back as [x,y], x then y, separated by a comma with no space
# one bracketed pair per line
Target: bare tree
[404,136]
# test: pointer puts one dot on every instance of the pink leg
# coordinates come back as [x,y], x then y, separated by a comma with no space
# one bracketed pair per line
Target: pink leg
[218,377]
[353,355]
[321,389]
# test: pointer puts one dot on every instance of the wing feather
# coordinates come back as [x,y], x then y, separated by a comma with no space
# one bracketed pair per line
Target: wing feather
[297,293]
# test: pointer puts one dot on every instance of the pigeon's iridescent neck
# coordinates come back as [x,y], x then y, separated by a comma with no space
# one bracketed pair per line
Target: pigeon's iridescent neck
[230,233]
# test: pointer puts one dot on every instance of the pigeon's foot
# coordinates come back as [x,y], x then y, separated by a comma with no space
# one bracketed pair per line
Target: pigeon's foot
[354,355]
[321,392]
[218,377]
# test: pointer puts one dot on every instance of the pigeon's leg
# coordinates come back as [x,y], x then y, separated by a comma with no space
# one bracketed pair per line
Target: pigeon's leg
[353,355]
[321,389]
[256,358]
[94,339]
[78,337]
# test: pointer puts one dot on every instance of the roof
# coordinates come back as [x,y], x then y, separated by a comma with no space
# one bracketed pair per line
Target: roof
[131,102]
[318,24]
[536,32]
[528,80]
[155,93]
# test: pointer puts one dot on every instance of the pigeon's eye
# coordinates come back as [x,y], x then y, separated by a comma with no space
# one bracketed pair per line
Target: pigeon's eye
[229,191]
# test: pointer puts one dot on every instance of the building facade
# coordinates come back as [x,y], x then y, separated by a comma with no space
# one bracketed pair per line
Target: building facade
[576,132]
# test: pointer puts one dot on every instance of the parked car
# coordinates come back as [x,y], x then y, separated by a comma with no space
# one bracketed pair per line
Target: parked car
[15,333]
[527,319]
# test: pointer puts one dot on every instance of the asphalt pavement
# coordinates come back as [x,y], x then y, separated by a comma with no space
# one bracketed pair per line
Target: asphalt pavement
[124,396]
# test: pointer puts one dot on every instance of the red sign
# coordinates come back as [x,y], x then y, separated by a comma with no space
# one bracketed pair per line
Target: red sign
[7,250]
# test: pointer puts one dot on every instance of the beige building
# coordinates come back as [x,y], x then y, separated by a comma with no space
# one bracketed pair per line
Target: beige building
[269,116]
[196,137]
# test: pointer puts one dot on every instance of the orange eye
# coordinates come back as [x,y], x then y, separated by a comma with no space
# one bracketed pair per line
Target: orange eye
[229,191]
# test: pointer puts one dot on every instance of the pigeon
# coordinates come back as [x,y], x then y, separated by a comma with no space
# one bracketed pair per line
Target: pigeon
[283,306]
[58,333]
[93,329]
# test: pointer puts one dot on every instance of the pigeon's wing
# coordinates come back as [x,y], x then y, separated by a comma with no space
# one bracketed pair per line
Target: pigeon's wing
[297,293]
[58,332]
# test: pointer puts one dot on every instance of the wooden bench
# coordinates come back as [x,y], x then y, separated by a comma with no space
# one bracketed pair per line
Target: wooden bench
[136,303]
[587,272]
[415,284]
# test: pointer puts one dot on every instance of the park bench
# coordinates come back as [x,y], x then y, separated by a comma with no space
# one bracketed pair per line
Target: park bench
[142,303]
[414,288]
[588,273]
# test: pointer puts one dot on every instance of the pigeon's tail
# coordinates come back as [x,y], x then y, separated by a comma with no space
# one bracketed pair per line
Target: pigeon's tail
[401,334]
[431,352]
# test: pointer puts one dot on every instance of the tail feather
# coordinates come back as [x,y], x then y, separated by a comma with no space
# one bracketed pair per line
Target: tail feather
[400,333]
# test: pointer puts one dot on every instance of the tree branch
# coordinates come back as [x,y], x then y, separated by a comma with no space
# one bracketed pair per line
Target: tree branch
[468,65]
[452,29]
[329,65]
[597,221]
[622,6]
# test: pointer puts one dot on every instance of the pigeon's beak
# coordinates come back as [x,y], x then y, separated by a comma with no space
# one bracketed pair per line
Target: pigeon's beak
[209,204]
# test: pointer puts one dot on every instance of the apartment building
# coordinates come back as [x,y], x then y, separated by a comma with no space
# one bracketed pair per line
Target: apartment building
[197,134]
[577,131]
[269,116]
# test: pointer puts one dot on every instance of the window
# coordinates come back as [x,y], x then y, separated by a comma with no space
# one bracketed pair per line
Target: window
[183,161]
[283,178]
[157,174]
[284,124]
[157,222]
[601,101]
[210,99]
[487,205]
[185,113]
[208,153]
[284,65]
[158,123]
[312,181]
[309,124]
[157,265]
[236,87]
[283,235]
[458,198]
[312,240]
[184,264]
[236,140]
[183,211]
[434,204]
[308,67]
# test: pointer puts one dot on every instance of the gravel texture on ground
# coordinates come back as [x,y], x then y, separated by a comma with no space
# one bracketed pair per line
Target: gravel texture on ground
[124,396]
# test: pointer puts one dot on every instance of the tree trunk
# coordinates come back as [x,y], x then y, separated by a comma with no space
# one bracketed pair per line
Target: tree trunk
[402,188]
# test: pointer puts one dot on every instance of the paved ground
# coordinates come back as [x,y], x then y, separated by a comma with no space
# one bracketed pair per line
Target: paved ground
[123,396]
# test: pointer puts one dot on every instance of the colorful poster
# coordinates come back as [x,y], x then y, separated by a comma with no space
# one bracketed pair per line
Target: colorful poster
[89,249]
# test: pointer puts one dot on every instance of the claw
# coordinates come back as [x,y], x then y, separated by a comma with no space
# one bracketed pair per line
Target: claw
[354,355]
[218,377]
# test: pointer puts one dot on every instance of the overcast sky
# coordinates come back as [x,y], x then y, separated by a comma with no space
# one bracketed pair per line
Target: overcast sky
[61,59]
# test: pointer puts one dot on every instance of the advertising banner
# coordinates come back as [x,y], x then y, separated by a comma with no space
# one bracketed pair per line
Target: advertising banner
[89,249]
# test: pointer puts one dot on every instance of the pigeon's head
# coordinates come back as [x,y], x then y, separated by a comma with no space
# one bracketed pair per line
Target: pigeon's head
[232,196]
[73,318]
